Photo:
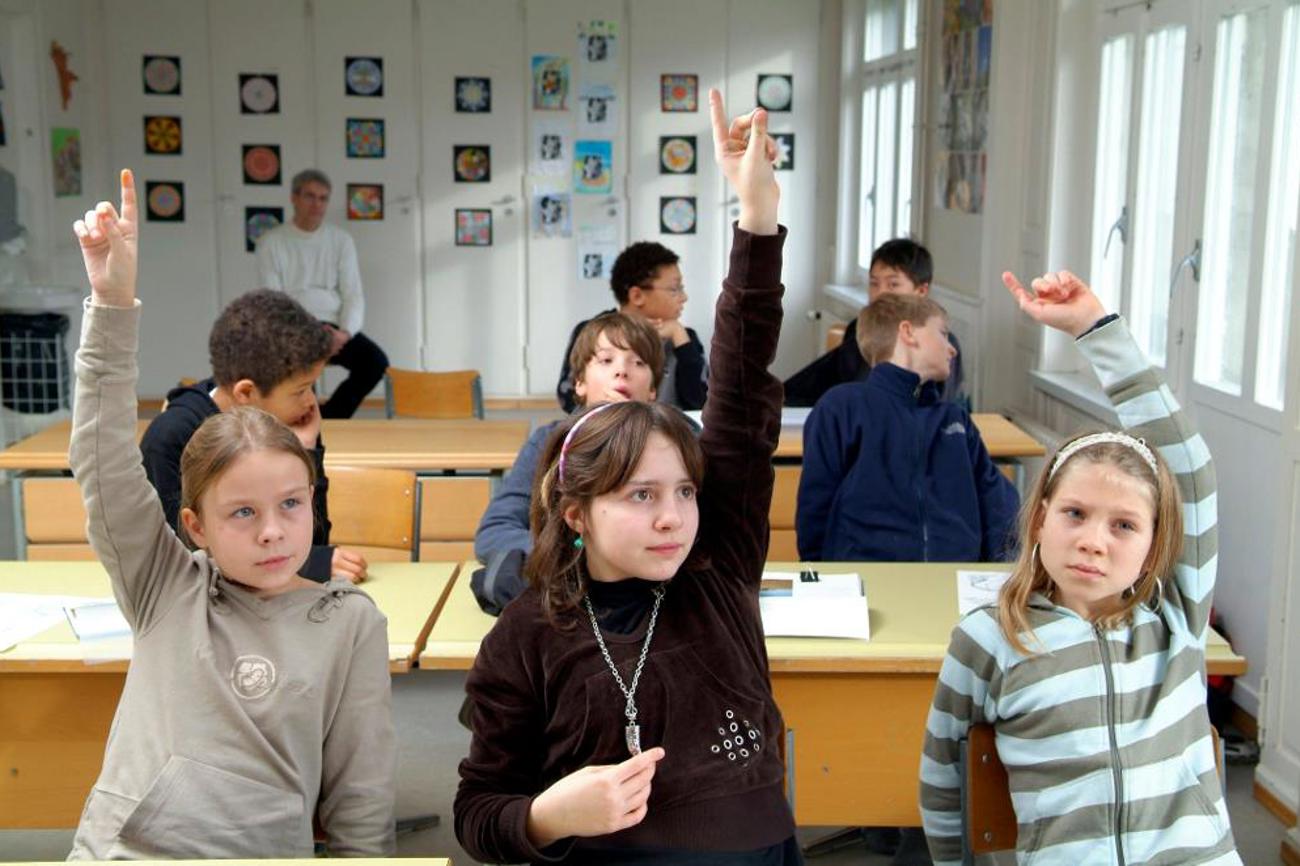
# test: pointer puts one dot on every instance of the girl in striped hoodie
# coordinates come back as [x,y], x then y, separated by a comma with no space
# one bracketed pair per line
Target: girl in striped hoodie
[1091,667]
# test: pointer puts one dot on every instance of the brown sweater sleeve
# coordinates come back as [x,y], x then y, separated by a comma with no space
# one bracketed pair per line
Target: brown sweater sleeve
[742,418]
[502,773]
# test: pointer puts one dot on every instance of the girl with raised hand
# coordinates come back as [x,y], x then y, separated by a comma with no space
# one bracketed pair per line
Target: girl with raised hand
[255,698]
[621,707]
[1091,667]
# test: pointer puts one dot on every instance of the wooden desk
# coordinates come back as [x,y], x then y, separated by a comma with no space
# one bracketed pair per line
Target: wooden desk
[855,710]
[1002,438]
[57,708]
[400,443]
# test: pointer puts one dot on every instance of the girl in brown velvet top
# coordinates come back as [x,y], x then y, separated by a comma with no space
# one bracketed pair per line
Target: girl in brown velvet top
[621,707]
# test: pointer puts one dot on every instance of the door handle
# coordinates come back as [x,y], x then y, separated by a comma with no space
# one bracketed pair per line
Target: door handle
[1191,260]
[1120,225]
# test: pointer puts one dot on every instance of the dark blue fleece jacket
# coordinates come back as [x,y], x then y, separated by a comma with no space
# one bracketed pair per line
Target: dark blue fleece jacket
[892,473]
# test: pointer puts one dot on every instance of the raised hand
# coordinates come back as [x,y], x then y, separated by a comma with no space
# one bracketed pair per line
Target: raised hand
[109,242]
[745,153]
[594,801]
[1060,300]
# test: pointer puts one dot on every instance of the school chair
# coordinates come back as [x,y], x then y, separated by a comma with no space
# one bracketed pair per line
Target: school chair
[781,546]
[834,336]
[417,394]
[987,817]
[54,520]
[375,512]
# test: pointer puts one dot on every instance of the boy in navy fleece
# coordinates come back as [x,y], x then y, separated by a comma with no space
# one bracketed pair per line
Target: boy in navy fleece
[890,471]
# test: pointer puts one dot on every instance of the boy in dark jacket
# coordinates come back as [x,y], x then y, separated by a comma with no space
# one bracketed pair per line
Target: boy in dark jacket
[890,471]
[266,351]
[899,267]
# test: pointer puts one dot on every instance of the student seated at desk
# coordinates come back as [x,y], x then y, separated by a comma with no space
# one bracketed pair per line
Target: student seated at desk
[890,471]
[1091,666]
[575,758]
[899,267]
[255,698]
[266,351]
[615,357]
[647,283]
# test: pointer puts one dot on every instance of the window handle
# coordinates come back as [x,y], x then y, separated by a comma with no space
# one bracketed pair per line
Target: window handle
[1191,260]
[1121,226]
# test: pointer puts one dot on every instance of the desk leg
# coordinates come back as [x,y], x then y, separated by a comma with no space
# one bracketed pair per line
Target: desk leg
[53,728]
[857,749]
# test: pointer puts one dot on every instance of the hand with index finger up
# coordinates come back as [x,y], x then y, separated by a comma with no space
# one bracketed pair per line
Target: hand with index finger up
[108,247]
[745,153]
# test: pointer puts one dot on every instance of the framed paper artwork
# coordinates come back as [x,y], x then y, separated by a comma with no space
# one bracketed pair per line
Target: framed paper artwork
[365,137]
[257,222]
[161,75]
[679,92]
[259,93]
[677,154]
[162,135]
[473,227]
[261,164]
[473,95]
[472,163]
[365,201]
[363,76]
[164,201]
[677,215]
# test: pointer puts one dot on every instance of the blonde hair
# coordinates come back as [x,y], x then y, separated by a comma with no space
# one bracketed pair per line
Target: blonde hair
[225,437]
[879,321]
[1028,574]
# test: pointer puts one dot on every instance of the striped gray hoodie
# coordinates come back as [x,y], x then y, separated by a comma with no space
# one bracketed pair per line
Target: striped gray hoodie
[1105,736]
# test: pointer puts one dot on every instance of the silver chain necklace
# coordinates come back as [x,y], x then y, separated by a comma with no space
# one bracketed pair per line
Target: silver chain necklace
[632,733]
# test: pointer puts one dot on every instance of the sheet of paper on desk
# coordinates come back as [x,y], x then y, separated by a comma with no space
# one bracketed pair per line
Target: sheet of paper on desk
[811,584]
[24,615]
[786,616]
[791,416]
[978,588]
[104,634]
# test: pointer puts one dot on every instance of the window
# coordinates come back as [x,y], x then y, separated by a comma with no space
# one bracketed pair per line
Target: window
[1280,237]
[884,67]
[1109,208]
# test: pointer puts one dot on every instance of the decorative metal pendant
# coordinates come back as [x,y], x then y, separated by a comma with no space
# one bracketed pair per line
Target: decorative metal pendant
[632,733]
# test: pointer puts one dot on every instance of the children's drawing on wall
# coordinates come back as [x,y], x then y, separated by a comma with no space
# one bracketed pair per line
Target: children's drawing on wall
[677,215]
[60,56]
[784,151]
[65,153]
[363,76]
[365,137]
[259,93]
[598,42]
[775,92]
[161,75]
[677,154]
[550,83]
[593,170]
[597,111]
[679,92]
[550,148]
[552,214]
[473,227]
[261,164]
[596,260]
[162,135]
[472,163]
[965,62]
[257,222]
[473,95]
[365,201]
[164,201]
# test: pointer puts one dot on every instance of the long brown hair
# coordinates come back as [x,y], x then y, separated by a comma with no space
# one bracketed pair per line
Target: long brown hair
[223,438]
[601,457]
[1029,576]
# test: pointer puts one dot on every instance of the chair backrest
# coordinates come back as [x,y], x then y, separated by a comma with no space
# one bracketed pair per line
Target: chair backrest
[988,818]
[835,336]
[375,511]
[417,394]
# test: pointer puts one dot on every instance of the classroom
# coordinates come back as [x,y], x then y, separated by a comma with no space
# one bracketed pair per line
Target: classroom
[479,179]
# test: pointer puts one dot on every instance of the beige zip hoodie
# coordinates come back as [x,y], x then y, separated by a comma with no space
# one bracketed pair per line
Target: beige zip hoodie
[241,717]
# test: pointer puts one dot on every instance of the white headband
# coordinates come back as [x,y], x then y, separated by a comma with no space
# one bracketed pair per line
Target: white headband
[1082,442]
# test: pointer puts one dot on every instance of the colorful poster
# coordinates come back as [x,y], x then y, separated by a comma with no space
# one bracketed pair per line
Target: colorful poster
[261,164]
[365,201]
[677,215]
[162,135]
[161,75]
[365,138]
[965,60]
[593,167]
[65,153]
[596,260]
[472,163]
[552,214]
[550,83]
[677,154]
[598,42]
[257,222]
[363,76]
[259,93]
[473,227]
[678,92]
[164,201]
[473,95]
[775,92]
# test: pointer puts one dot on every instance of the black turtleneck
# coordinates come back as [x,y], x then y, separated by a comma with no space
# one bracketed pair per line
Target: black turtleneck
[622,605]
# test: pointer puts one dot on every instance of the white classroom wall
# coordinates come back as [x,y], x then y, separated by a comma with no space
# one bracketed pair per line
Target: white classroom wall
[506,310]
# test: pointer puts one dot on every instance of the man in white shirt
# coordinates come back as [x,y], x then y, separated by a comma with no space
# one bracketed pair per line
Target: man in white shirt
[316,264]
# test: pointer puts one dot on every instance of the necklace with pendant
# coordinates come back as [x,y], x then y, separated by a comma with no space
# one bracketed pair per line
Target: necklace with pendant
[631,733]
